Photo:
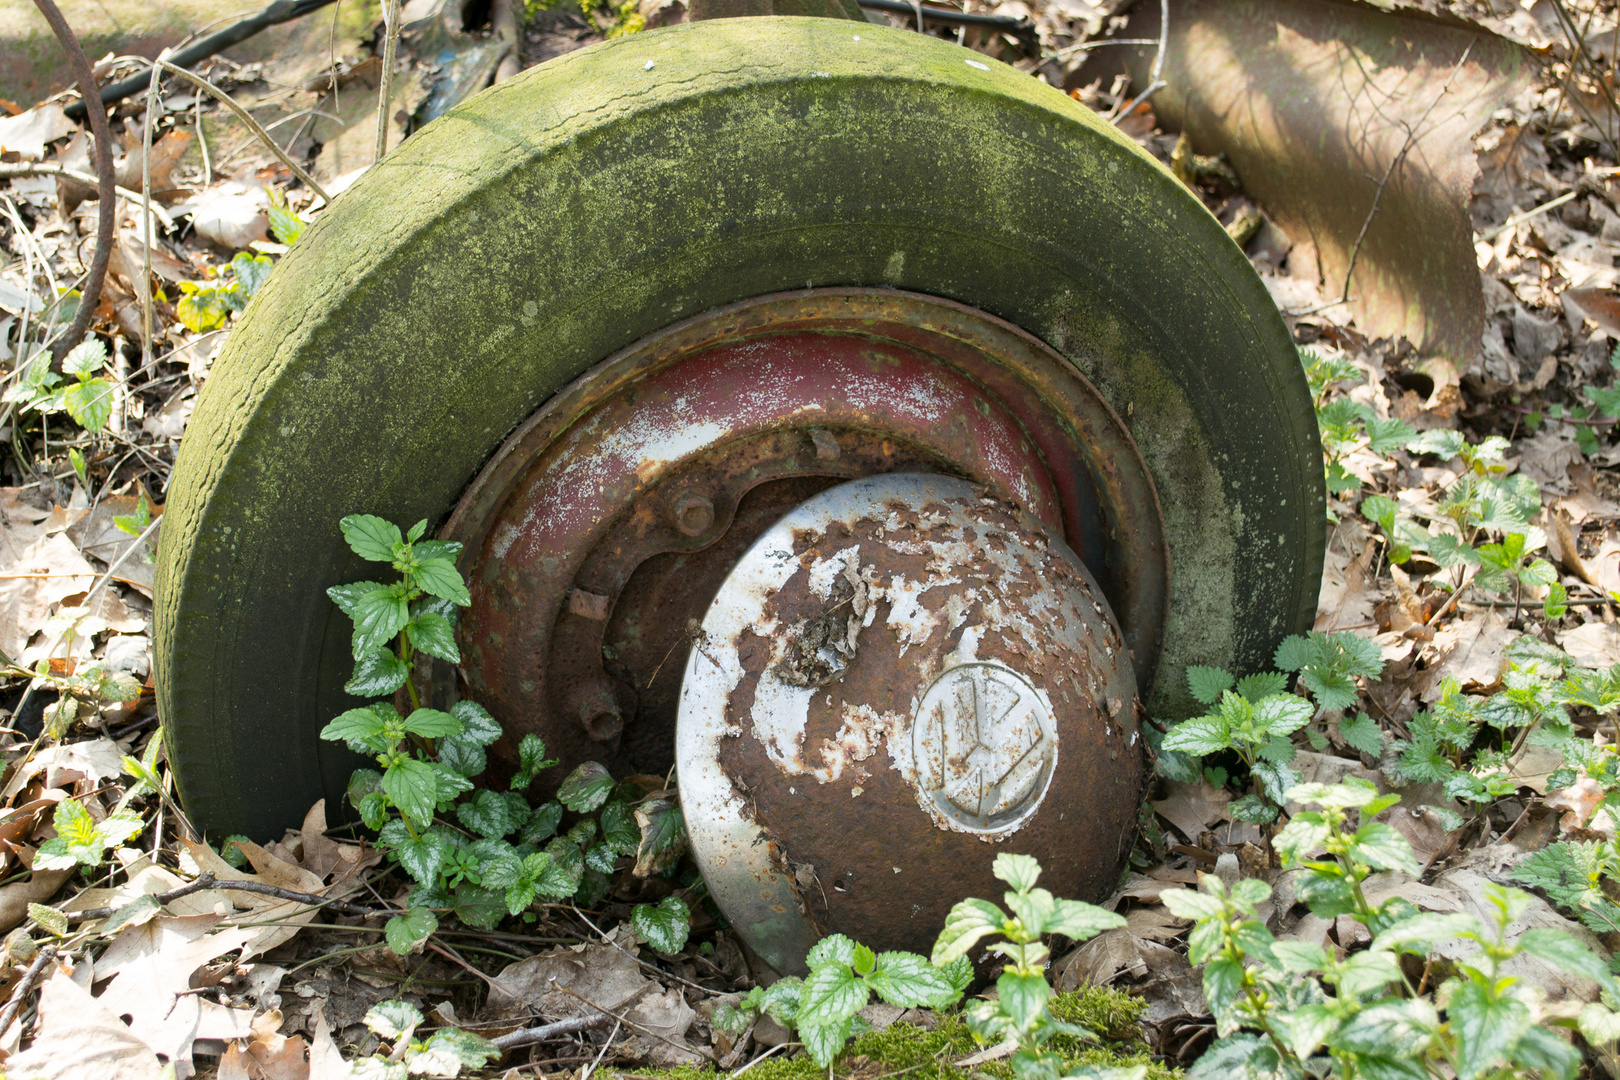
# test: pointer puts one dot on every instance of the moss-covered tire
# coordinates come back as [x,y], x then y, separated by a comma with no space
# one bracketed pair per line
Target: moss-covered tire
[590,201]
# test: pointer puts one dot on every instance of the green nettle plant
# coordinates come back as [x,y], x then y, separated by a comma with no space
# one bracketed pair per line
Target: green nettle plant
[1019,1012]
[1297,1008]
[88,398]
[1257,719]
[480,854]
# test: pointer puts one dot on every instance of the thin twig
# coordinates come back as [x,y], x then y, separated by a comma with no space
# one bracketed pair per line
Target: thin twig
[46,168]
[146,207]
[455,958]
[30,978]
[1395,163]
[253,125]
[761,1057]
[1086,46]
[528,1036]
[97,114]
[1154,82]
[586,1075]
[631,1023]
[207,881]
[637,959]
[386,84]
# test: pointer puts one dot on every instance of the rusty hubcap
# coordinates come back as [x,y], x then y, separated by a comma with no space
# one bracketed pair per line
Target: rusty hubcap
[599,533]
[899,673]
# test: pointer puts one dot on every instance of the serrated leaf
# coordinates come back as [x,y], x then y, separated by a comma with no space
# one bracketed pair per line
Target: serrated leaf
[665,926]
[1563,950]
[1379,846]
[413,786]
[432,724]
[391,1019]
[476,723]
[348,597]
[89,403]
[1361,732]
[1201,736]
[966,923]
[370,537]
[1485,1026]
[379,615]
[586,788]
[1080,921]
[433,635]
[49,919]
[829,1001]
[440,578]
[1207,683]
[363,728]
[908,980]
[1282,714]
[1019,871]
[663,837]
[563,871]
[377,674]
[85,359]
[406,932]
[485,814]
[449,1051]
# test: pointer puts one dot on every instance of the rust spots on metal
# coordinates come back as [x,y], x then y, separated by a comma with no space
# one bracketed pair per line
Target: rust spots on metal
[643,482]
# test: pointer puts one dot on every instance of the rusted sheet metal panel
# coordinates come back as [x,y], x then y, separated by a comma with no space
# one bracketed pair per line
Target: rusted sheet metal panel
[1312,100]
[900,677]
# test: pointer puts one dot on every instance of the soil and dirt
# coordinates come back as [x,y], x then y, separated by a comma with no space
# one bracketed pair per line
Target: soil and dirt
[243,984]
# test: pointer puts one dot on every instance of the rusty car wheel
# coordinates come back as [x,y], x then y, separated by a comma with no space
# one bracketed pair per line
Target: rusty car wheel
[611,320]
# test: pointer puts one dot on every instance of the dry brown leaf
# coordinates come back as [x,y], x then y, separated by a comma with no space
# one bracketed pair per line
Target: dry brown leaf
[606,976]
[1472,650]
[658,1022]
[231,215]
[278,920]
[1469,887]
[43,573]
[94,760]
[27,133]
[1546,456]
[1593,645]
[325,1059]
[79,1038]
[15,898]
[1192,808]
[1349,591]
[166,154]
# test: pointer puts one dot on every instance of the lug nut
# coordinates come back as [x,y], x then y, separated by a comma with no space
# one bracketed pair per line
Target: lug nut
[694,513]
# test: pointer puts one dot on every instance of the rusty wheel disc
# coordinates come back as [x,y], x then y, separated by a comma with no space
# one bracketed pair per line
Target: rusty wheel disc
[900,676]
[599,534]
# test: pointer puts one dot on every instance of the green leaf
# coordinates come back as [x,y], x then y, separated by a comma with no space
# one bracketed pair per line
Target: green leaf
[379,615]
[377,674]
[422,856]
[89,403]
[830,999]
[563,873]
[476,723]
[1361,733]
[1262,685]
[1282,714]
[908,980]
[1022,997]
[832,949]
[85,359]
[432,724]
[542,824]
[348,597]
[371,537]
[251,270]
[663,927]
[414,787]
[1598,1023]
[1019,871]
[1223,984]
[486,814]
[449,1051]
[433,635]
[405,932]
[285,225]
[1253,808]
[1368,972]
[49,919]
[1207,683]
[1187,904]
[1382,848]
[620,833]
[363,728]
[1485,1026]
[1307,1028]
[1079,921]
[391,1019]
[586,788]
[967,922]
[1565,951]
[663,837]
[439,577]
[1422,932]
[1201,736]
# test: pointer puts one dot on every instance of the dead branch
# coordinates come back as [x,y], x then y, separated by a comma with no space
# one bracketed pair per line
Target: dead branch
[91,296]
[207,881]
[30,978]
[528,1036]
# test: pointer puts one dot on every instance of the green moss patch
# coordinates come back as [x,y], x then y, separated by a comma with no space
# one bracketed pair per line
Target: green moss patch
[930,1053]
